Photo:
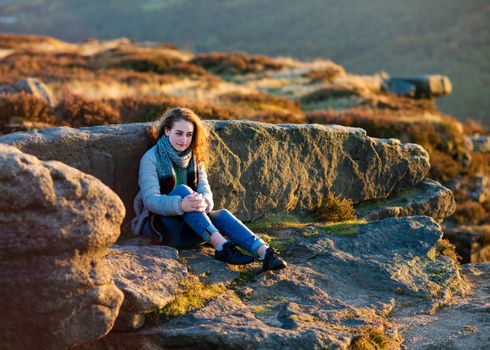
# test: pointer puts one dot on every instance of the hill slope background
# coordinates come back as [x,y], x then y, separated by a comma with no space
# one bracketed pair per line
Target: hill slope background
[436,36]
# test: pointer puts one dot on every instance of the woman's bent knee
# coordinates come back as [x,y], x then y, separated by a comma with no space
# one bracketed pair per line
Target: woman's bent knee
[182,190]
[221,212]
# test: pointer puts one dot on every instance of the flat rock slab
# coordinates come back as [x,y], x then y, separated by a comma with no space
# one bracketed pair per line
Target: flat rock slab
[428,198]
[149,276]
[201,262]
[336,286]
[463,325]
[224,323]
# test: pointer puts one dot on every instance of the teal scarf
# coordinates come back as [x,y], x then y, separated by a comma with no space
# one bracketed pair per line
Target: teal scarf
[168,160]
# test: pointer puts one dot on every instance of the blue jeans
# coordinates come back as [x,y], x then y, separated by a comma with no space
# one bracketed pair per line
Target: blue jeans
[193,228]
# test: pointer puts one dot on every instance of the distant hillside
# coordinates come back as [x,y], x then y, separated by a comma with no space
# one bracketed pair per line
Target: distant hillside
[435,36]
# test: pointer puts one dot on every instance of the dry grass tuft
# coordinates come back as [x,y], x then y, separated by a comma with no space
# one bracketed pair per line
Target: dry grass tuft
[335,209]
[372,339]
[448,249]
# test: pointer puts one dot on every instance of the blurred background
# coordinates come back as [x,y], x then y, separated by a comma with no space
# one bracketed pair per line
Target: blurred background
[365,37]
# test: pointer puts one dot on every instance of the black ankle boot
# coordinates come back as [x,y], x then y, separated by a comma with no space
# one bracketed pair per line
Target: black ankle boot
[273,261]
[229,254]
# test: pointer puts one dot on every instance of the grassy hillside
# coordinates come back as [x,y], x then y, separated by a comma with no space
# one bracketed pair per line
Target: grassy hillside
[435,36]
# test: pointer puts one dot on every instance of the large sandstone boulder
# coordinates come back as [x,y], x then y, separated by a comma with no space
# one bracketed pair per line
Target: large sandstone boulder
[56,226]
[257,168]
[339,284]
[110,153]
[269,168]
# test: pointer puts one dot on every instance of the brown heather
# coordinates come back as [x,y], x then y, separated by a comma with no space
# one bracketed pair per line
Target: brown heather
[443,141]
[328,93]
[472,126]
[324,74]
[469,212]
[278,117]
[26,107]
[147,62]
[480,164]
[77,111]
[260,100]
[188,69]
[148,108]
[8,41]
[235,62]
[391,102]
[47,67]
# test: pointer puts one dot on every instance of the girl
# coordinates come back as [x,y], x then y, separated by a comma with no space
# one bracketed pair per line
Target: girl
[174,204]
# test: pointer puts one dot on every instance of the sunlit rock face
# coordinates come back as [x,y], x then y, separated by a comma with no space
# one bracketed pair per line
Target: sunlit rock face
[56,225]
[255,168]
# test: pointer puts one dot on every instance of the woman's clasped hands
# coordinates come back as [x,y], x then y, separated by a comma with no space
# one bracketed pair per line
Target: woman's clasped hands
[194,202]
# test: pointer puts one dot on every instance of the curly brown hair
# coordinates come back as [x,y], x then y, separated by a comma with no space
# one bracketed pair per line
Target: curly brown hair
[199,141]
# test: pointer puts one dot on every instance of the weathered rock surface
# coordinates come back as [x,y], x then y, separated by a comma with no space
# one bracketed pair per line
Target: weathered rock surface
[428,198]
[464,325]
[149,277]
[32,86]
[472,242]
[297,163]
[201,262]
[300,163]
[337,286]
[110,153]
[56,226]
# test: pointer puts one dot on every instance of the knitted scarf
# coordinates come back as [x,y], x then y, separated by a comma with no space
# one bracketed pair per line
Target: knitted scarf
[167,159]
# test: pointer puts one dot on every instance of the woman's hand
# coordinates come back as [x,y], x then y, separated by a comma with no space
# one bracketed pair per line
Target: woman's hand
[193,202]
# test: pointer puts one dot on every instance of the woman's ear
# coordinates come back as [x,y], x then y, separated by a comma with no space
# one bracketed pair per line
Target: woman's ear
[167,132]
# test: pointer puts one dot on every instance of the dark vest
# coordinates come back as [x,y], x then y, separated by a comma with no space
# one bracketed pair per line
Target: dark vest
[167,183]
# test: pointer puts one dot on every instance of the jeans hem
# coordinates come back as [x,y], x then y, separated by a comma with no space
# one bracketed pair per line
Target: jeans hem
[255,246]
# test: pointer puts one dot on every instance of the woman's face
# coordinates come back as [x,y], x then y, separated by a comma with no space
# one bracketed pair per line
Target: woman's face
[180,135]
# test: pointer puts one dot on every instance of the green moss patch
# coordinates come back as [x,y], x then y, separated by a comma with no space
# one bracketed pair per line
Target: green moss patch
[347,228]
[195,294]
